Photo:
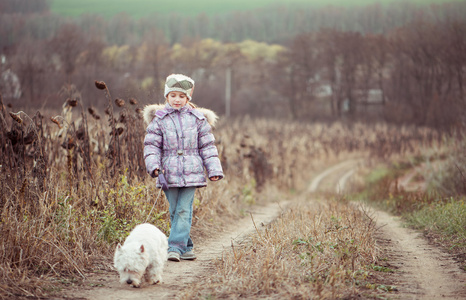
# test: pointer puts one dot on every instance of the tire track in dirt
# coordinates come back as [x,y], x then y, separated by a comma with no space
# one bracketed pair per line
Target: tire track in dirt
[178,275]
[337,169]
[423,270]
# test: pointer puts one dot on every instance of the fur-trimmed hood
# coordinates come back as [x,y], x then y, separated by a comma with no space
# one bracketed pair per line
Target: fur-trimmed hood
[149,112]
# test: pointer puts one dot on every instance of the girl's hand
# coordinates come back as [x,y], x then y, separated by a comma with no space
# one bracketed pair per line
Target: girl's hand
[215,178]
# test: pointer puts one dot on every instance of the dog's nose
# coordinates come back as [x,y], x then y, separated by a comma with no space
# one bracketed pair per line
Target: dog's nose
[129,281]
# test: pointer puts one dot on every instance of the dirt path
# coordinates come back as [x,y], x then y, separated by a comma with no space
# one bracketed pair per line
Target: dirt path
[423,270]
[178,275]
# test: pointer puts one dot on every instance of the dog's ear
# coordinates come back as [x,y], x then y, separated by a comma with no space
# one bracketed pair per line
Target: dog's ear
[118,247]
[142,248]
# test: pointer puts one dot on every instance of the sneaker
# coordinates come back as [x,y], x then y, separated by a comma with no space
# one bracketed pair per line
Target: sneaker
[188,255]
[173,256]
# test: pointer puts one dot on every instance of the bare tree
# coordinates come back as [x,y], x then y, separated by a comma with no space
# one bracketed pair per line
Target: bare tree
[301,69]
[31,65]
[155,58]
[68,43]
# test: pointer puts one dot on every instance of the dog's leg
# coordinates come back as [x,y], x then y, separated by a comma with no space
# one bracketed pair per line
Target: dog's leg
[154,274]
[148,276]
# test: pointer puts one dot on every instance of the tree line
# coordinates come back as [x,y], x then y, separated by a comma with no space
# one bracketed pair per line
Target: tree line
[411,71]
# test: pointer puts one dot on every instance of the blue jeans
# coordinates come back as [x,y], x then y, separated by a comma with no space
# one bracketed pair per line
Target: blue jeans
[181,216]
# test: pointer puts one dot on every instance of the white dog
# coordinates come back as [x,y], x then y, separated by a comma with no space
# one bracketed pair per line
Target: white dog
[143,253]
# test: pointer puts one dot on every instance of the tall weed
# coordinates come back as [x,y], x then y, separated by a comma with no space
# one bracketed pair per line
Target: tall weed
[450,179]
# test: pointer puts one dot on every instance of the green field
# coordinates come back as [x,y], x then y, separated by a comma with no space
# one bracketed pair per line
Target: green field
[141,8]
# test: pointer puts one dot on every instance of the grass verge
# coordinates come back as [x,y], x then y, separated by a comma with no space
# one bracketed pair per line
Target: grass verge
[444,223]
[442,218]
[325,251]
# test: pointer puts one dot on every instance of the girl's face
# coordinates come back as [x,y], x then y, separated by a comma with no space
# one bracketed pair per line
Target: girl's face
[177,99]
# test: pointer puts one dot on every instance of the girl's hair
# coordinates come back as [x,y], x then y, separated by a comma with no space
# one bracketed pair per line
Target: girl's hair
[189,103]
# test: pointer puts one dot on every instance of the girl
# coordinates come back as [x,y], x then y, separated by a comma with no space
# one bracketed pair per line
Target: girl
[179,142]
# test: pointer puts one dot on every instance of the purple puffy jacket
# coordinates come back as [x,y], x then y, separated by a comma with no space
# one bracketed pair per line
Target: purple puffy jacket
[181,143]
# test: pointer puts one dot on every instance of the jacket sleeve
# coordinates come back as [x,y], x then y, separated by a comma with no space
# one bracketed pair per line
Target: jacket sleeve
[153,143]
[208,151]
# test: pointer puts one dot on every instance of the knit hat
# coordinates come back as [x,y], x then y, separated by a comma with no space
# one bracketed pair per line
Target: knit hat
[179,83]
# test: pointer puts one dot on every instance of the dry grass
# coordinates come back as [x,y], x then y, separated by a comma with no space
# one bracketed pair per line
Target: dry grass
[75,184]
[312,251]
[432,200]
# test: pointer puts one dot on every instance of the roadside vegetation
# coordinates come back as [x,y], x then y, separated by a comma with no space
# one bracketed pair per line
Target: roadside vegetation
[428,190]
